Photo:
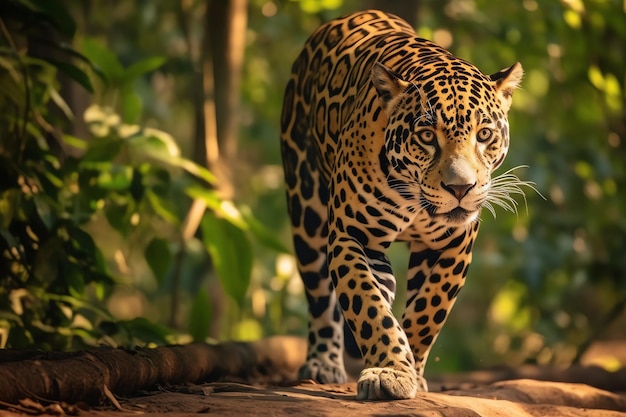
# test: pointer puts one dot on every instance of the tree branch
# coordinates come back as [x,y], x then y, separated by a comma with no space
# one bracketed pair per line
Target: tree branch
[83,376]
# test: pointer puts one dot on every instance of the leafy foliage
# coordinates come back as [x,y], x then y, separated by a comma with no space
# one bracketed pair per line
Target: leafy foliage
[54,279]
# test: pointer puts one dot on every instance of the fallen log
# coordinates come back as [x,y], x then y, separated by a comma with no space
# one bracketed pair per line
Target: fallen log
[87,375]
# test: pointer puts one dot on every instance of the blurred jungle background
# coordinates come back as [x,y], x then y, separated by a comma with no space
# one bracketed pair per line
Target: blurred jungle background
[141,196]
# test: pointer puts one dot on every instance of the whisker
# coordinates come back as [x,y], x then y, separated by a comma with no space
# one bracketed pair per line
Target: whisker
[504,204]
[503,187]
[489,207]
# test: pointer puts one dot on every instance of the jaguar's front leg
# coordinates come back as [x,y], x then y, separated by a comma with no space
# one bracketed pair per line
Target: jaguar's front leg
[435,278]
[363,283]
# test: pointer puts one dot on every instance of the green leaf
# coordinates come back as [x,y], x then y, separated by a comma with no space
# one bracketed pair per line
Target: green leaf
[200,316]
[75,282]
[99,269]
[74,141]
[63,47]
[146,331]
[10,316]
[8,201]
[11,242]
[224,208]
[55,96]
[132,104]
[82,242]
[207,195]
[58,13]
[74,73]
[45,212]
[142,67]
[74,302]
[137,188]
[69,50]
[231,254]
[53,179]
[194,169]
[118,216]
[159,258]
[103,58]
[162,207]
[155,144]
[159,146]
[118,178]
[267,237]
[102,150]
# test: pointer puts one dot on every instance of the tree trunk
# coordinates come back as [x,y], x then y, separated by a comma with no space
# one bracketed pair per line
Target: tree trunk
[85,376]
[227,21]
[217,99]
[222,64]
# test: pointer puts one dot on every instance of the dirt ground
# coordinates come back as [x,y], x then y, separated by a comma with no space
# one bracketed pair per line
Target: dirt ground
[514,398]
[508,392]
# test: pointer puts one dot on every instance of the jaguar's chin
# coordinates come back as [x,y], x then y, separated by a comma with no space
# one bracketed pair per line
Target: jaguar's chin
[460,216]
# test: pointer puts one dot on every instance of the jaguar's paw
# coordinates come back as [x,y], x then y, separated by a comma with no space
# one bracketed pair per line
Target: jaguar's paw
[389,384]
[322,372]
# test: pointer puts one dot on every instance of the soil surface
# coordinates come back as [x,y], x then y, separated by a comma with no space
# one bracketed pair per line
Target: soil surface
[258,371]
[514,398]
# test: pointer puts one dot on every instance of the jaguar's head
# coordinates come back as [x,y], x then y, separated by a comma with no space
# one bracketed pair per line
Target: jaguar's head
[447,131]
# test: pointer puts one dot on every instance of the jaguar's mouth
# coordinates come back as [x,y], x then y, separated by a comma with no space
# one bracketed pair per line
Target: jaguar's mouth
[458,214]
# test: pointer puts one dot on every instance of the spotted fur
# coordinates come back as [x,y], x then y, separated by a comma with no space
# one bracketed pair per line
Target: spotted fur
[386,137]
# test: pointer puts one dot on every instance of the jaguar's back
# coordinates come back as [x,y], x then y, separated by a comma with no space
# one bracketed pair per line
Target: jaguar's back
[386,136]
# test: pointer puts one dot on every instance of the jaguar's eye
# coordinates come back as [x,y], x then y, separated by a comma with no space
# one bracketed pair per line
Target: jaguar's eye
[484,134]
[427,136]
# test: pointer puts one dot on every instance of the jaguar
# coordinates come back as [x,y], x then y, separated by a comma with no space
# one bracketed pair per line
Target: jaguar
[387,137]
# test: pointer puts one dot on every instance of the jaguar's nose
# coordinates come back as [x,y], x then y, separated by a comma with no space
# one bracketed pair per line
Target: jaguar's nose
[458,190]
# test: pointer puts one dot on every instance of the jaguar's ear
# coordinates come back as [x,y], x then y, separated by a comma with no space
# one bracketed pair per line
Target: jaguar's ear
[506,82]
[388,84]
